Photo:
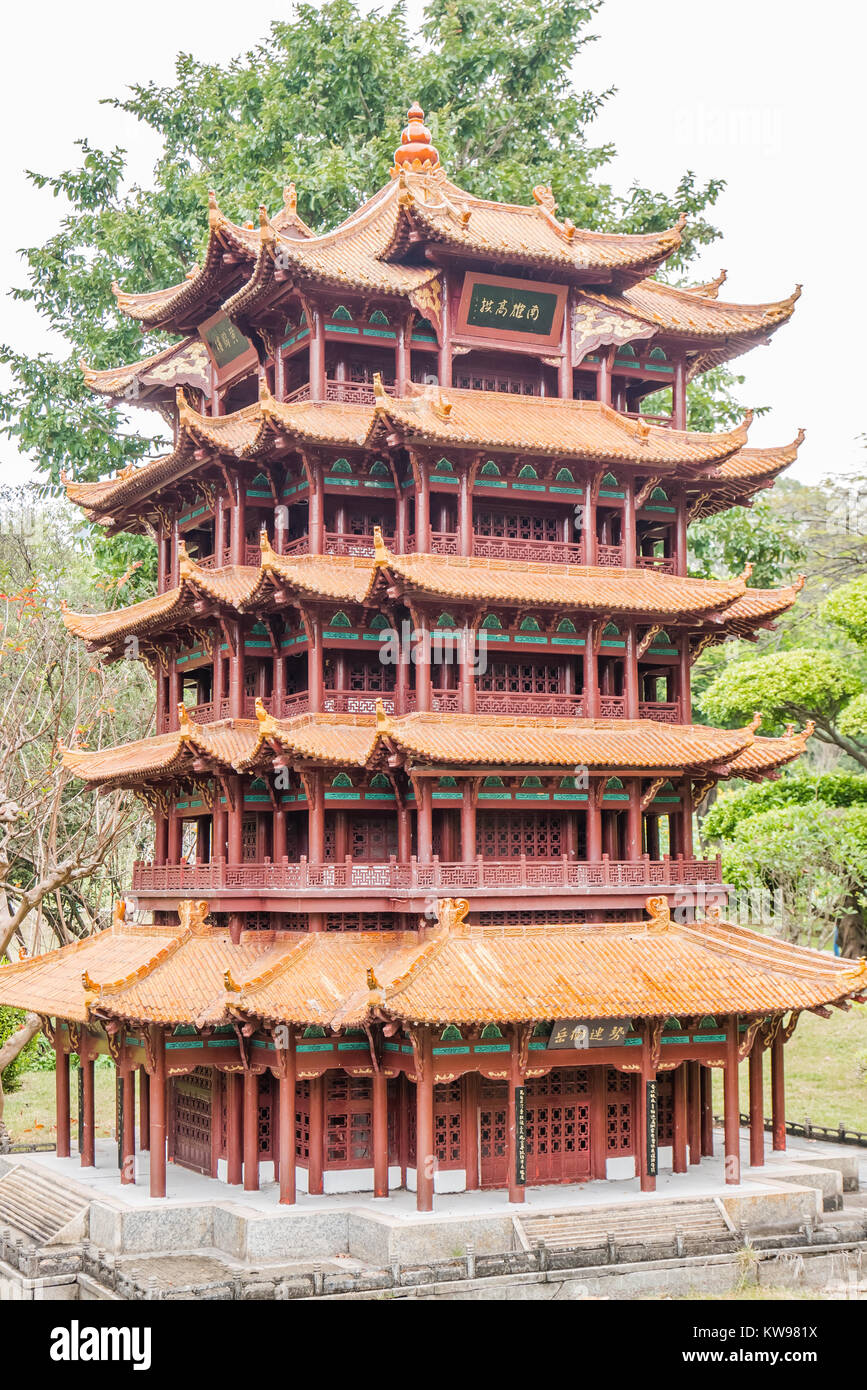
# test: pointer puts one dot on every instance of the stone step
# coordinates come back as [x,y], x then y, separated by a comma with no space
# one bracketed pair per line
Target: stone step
[625,1225]
[36,1205]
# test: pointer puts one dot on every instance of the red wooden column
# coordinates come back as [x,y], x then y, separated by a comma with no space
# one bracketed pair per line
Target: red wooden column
[144,1108]
[316,1142]
[647,1181]
[679,1086]
[445,333]
[423,671]
[706,1107]
[234,1128]
[633,820]
[127,1152]
[731,1103]
[425,1148]
[467,677]
[694,1111]
[757,1106]
[317,353]
[316,817]
[251,1131]
[238,524]
[286,1137]
[236,671]
[465,514]
[87,1137]
[778,1091]
[630,544]
[422,507]
[158,1100]
[424,820]
[403,357]
[594,826]
[380,1134]
[161,838]
[683,678]
[630,673]
[235,817]
[598,1137]
[591,675]
[565,378]
[685,846]
[516,1086]
[680,538]
[588,523]
[603,379]
[316,505]
[315,663]
[468,821]
[470,1129]
[678,395]
[61,1092]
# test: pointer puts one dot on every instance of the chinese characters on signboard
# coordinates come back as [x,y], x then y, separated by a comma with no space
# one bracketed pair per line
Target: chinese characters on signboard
[500,309]
[520,1136]
[229,350]
[582,1033]
[652,1126]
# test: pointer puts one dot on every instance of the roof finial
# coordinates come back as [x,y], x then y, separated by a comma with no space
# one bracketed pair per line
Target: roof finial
[415,151]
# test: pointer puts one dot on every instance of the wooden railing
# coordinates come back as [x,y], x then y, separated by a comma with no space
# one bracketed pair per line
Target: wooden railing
[350,392]
[477,876]
[531,705]
[544,552]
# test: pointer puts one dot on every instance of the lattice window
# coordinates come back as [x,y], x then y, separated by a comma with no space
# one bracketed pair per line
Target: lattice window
[373,838]
[348,1121]
[523,678]
[496,381]
[368,675]
[359,921]
[618,1113]
[548,917]
[250,839]
[302,1120]
[192,1100]
[517,525]
[665,1100]
[509,834]
[447,1124]
[562,1081]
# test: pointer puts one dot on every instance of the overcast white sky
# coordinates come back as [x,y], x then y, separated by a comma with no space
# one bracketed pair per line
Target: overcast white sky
[768,94]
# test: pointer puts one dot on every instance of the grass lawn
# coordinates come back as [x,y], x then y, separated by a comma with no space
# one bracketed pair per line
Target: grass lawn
[29,1113]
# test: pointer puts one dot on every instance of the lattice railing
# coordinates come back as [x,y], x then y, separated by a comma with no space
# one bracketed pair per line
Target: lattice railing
[475,876]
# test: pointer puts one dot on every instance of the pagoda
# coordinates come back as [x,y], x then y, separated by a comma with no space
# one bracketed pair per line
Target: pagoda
[424,908]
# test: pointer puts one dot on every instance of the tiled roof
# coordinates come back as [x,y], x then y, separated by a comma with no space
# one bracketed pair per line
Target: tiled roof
[764,755]
[204,285]
[434,740]
[453,974]
[182,364]
[521,235]
[635,970]
[504,740]
[585,588]
[548,425]
[760,606]
[685,313]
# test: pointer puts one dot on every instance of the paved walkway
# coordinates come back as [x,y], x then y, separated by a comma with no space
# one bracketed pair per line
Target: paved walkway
[706,1179]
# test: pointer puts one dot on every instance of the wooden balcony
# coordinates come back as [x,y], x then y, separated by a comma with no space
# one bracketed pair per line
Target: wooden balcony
[350,392]
[478,878]
[663,564]
[443,702]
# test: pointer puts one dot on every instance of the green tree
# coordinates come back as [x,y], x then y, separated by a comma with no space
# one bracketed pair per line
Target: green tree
[820,791]
[814,865]
[823,684]
[321,101]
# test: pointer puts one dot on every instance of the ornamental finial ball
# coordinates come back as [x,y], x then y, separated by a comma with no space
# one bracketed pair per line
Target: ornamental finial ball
[415,152]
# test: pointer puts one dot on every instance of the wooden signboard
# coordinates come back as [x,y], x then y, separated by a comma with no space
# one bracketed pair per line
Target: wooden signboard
[582,1033]
[502,312]
[228,349]
[520,1136]
[652,1127]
